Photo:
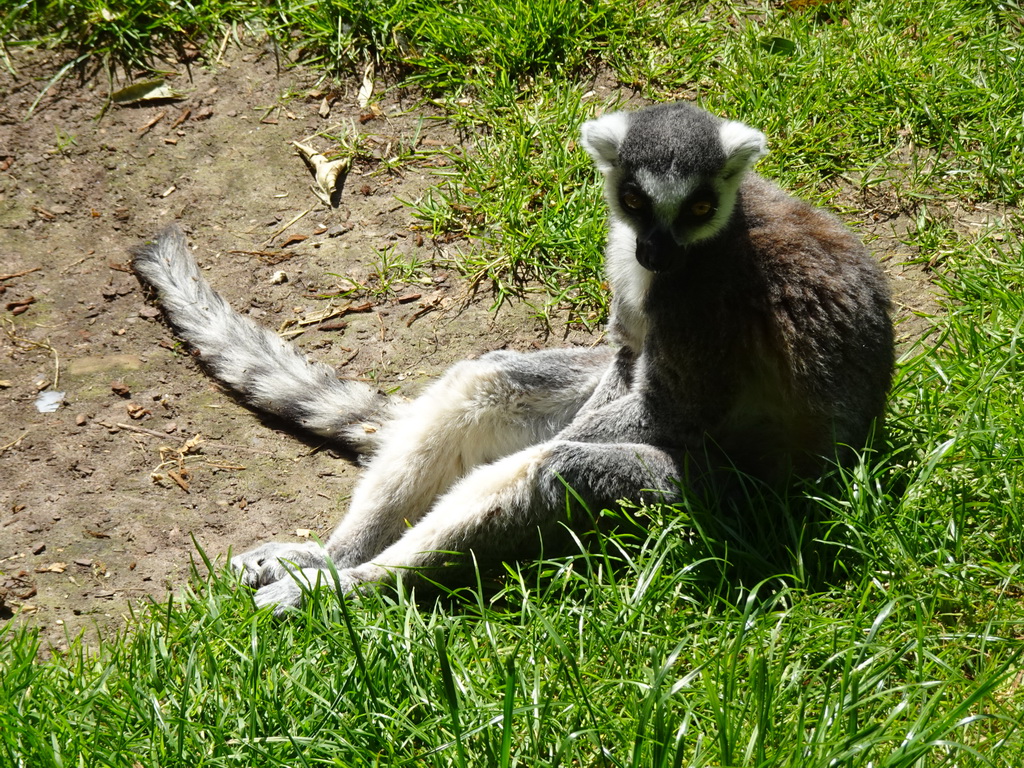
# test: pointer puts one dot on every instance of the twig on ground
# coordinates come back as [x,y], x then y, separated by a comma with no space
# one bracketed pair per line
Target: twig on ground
[13,275]
[15,441]
[282,229]
[39,345]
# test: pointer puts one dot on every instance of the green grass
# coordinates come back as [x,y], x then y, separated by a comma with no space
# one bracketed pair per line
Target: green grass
[447,47]
[525,198]
[120,37]
[875,622]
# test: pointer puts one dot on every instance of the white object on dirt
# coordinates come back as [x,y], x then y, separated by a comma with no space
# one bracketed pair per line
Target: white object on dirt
[49,401]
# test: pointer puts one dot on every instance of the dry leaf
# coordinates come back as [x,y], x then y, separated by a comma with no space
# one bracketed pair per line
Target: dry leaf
[191,445]
[325,172]
[366,89]
[136,411]
[149,90]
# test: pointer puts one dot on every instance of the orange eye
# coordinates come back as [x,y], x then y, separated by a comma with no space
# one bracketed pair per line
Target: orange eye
[701,208]
[633,201]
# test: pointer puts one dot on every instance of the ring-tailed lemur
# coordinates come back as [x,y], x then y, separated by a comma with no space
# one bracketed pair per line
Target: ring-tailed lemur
[750,330]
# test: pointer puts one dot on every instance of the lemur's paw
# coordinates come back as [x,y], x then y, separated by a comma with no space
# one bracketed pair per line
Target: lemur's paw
[268,564]
[288,593]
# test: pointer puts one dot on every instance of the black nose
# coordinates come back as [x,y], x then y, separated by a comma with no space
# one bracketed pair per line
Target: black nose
[657,250]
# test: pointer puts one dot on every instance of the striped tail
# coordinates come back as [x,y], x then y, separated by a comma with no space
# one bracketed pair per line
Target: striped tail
[266,372]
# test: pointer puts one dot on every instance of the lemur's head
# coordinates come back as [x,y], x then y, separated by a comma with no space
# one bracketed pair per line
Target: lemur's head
[671,173]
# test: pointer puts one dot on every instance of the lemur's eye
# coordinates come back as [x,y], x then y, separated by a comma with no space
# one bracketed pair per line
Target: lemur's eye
[701,208]
[633,201]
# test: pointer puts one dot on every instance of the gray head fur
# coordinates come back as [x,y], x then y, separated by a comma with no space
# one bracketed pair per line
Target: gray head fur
[672,140]
[678,140]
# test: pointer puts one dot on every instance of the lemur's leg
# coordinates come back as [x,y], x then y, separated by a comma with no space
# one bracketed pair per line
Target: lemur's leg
[478,412]
[499,509]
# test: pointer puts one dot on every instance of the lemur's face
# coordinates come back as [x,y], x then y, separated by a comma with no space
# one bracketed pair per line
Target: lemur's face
[671,174]
[670,213]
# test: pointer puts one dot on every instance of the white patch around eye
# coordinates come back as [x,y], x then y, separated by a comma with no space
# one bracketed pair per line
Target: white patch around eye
[708,229]
[726,190]
[668,194]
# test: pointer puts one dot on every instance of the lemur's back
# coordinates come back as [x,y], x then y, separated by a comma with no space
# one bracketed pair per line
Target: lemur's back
[830,303]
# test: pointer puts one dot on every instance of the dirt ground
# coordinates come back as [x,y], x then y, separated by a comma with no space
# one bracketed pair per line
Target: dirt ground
[101,499]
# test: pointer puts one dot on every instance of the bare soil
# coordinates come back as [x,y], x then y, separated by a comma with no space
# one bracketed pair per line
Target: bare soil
[101,500]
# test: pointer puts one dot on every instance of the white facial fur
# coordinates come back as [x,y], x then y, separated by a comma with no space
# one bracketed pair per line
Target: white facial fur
[629,281]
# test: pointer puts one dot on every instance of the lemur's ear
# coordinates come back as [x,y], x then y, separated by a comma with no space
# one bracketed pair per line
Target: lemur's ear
[602,138]
[743,146]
